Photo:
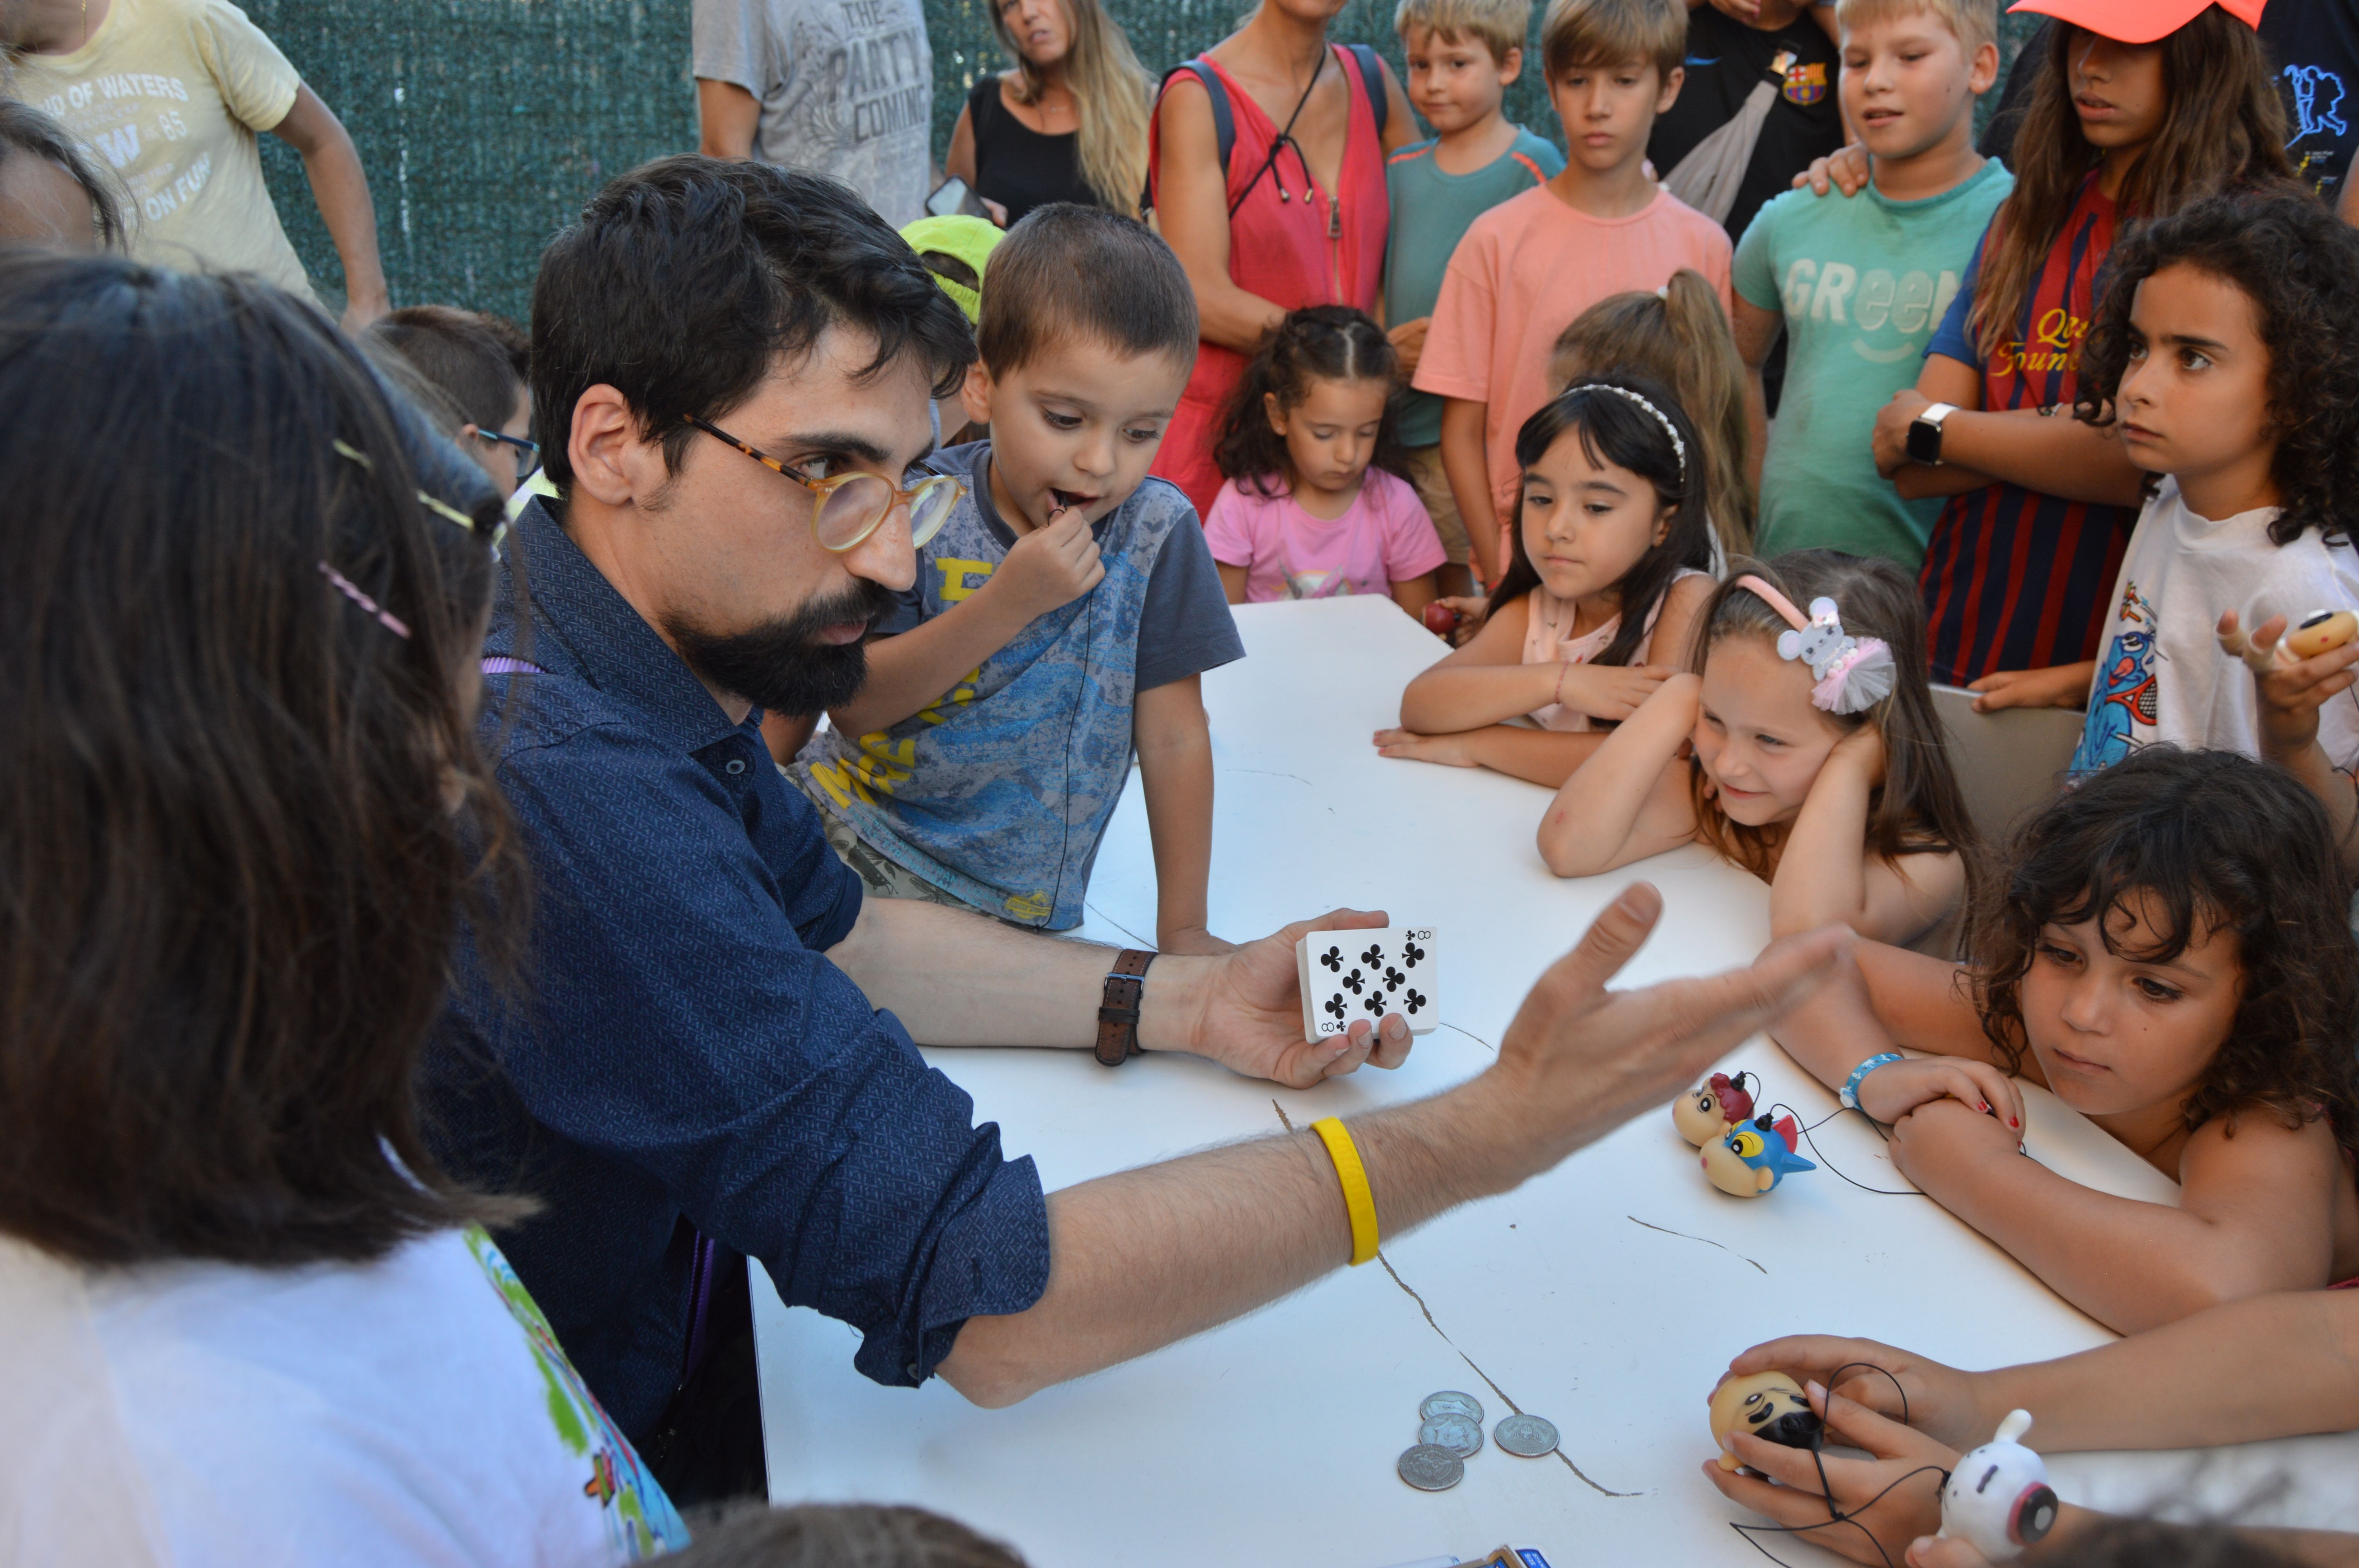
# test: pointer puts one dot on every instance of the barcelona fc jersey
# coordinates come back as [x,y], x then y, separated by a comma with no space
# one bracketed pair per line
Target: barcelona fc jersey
[2015,579]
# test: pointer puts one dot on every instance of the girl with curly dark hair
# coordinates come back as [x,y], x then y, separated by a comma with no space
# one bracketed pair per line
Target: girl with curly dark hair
[1317,502]
[2165,949]
[2227,356]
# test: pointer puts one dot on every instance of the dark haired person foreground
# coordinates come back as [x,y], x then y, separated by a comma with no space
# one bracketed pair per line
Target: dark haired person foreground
[719,1044]
[840,1535]
[242,811]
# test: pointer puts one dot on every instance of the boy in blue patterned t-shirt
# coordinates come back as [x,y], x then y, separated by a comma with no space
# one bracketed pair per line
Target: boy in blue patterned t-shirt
[1463,57]
[1060,618]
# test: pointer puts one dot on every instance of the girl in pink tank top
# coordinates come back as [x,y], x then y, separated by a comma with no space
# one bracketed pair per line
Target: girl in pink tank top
[1289,242]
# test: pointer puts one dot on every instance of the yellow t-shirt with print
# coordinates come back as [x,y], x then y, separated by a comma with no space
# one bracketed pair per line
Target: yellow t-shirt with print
[171,94]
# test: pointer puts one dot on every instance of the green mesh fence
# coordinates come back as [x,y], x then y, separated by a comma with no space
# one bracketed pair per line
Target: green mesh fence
[485,124]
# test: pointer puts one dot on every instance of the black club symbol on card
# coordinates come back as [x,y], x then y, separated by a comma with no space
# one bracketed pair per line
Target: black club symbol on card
[1372,956]
[1334,1008]
[1412,954]
[1332,958]
[1415,1000]
[1375,1004]
[1354,982]
[1394,978]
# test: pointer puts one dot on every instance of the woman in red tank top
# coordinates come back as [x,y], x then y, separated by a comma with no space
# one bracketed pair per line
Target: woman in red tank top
[1270,233]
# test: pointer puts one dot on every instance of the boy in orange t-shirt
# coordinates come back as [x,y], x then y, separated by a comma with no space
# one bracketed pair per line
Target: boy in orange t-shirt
[1530,264]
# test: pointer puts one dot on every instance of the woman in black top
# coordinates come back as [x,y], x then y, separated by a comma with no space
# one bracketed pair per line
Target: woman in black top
[1067,124]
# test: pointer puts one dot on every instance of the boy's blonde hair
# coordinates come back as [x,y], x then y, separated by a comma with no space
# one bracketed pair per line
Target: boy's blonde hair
[1973,22]
[1501,25]
[1576,33]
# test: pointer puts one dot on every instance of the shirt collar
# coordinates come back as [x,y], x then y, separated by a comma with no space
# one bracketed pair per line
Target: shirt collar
[609,642]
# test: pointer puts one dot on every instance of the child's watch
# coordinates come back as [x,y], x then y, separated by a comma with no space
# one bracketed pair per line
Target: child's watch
[1925,434]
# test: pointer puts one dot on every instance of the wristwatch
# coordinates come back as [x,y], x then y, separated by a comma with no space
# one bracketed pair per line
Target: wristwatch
[1126,986]
[1925,434]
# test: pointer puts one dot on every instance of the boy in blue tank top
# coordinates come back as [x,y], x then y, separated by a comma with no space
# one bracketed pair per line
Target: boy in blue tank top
[1463,57]
[1060,618]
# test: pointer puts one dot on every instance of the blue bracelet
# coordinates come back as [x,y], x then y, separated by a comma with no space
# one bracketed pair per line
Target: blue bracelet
[1850,1096]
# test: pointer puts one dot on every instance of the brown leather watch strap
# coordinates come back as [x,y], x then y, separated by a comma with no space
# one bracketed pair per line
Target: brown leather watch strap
[1118,1009]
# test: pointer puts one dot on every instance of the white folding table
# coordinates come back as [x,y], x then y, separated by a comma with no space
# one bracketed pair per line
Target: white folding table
[1605,1294]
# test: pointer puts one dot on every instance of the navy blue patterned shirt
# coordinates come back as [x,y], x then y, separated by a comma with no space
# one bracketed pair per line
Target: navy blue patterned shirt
[682,1057]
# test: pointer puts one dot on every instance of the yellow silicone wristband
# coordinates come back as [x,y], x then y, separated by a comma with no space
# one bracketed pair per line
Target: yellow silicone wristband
[1357,1200]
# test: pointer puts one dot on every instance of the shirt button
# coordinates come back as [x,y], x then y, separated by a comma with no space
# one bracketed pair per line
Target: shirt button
[916,1372]
[736,764]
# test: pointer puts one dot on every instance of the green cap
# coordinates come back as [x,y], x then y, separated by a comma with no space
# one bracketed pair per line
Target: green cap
[971,239]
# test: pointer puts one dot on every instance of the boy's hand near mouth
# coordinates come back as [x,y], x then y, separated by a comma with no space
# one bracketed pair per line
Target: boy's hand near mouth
[1048,567]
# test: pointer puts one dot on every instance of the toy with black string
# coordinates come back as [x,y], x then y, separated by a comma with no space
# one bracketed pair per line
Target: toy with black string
[1830,1165]
[1836,1514]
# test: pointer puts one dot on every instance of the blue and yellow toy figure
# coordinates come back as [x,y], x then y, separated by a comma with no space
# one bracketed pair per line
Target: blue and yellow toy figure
[1754,1157]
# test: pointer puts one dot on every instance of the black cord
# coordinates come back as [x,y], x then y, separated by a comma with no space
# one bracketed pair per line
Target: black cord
[1818,1457]
[1284,139]
[1830,1164]
[1065,811]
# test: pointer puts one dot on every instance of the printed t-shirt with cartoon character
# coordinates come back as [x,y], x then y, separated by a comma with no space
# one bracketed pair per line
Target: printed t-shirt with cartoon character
[412,1412]
[2161,676]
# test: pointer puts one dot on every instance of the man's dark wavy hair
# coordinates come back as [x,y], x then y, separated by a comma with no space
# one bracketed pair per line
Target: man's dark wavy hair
[2198,842]
[2299,263]
[685,280]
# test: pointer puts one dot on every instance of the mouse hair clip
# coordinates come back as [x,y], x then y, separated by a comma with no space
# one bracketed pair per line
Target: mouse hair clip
[1851,674]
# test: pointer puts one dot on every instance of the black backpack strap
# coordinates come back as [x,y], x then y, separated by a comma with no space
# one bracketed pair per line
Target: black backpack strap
[1371,76]
[1224,119]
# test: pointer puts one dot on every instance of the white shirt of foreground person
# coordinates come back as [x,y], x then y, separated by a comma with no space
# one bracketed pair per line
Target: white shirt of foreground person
[413,1411]
[846,89]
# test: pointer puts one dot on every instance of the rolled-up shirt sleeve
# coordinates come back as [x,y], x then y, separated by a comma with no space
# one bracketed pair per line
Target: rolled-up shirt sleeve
[682,1020]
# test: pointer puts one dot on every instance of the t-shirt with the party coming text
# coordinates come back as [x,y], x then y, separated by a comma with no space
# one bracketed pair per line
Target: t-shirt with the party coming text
[413,1411]
[170,94]
[846,89]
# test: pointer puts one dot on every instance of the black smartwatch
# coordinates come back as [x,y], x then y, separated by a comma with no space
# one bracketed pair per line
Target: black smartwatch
[1925,434]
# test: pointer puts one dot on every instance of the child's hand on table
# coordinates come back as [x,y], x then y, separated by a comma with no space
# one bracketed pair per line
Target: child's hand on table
[1903,1479]
[1940,1144]
[1896,1088]
[1611,692]
[1194,941]
[1050,567]
[1450,751]
[1940,1401]
[2061,685]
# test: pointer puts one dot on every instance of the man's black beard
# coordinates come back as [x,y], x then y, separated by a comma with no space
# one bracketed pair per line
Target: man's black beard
[783,668]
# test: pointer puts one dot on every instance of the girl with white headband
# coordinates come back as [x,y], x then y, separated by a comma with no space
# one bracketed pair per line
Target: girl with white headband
[1604,578]
[1802,746]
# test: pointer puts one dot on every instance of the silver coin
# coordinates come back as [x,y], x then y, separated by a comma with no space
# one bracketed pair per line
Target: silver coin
[1432,1469]
[1527,1436]
[1449,1402]
[1460,1434]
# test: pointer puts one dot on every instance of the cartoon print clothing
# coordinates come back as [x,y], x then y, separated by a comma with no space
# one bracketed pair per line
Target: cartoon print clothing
[1385,536]
[2015,579]
[846,89]
[1549,637]
[2314,47]
[170,94]
[1862,281]
[1000,791]
[2162,676]
[409,1412]
[1525,270]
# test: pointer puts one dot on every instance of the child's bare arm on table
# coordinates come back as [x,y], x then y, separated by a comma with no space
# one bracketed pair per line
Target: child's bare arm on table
[1175,771]
[1047,568]
[2255,1214]
[1886,999]
[1827,873]
[1630,799]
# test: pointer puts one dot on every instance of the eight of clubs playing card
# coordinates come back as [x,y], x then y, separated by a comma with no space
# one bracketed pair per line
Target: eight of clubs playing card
[1352,975]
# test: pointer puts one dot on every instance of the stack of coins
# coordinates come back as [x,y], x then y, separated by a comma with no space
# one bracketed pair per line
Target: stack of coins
[1451,1432]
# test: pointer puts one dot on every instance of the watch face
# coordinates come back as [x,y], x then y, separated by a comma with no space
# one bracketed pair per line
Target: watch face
[1924,442]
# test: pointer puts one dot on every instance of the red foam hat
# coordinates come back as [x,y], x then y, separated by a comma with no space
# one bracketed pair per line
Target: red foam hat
[2138,21]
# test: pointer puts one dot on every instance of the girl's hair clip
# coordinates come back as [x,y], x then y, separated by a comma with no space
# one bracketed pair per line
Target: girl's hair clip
[351,590]
[435,504]
[1679,446]
[1852,673]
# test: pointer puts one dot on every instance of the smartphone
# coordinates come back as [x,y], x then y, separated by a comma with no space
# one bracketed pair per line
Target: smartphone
[953,196]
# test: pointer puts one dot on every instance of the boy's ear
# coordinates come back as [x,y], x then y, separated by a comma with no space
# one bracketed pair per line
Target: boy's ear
[1511,67]
[1673,79]
[975,394]
[1982,74]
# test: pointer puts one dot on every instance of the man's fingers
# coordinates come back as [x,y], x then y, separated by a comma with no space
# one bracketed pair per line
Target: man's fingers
[1335,920]
[1737,1003]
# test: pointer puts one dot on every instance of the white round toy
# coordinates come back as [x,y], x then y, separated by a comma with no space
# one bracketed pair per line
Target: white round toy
[1998,1500]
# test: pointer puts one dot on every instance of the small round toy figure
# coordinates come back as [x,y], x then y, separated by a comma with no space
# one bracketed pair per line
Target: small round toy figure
[1705,1112]
[1769,1405]
[1440,620]
[2313,634]
[1998,1500]
[1754,1157]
